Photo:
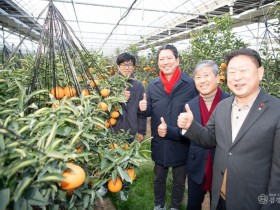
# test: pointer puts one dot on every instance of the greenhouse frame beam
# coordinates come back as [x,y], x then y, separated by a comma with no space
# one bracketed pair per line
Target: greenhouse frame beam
[248,17]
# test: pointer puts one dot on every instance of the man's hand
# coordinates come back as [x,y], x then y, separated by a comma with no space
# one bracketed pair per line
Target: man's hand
[162,128]
[185,119]
[140,137]
[126,94]
[143,103]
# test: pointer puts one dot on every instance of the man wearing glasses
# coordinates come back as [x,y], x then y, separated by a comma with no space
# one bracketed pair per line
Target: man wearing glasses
[131,119]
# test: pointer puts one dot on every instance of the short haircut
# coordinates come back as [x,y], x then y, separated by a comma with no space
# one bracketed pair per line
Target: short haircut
[254,55]
[124,57]
[210,63]
[169,47]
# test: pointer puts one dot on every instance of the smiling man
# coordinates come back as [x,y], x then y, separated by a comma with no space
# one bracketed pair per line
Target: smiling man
[166,97]
[245,129]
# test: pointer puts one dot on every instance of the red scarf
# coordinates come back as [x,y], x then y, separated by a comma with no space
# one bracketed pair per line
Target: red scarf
[168,85]
[205,115]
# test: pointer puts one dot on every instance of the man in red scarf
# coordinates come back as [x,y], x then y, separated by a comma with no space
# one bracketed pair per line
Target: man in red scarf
[165,99]
[199,166]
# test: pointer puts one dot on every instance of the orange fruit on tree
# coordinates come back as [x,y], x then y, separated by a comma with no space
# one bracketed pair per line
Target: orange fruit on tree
[145,83]
[57,92]
[115,114]
[131,173]
[223,65]
[147,68]
[86,92]
[113,121]
[79,149]
[125,146]
[69,91]
[94,83]
[103,106]
[107,124]
[112,146]
[74,177]
[115,186]
[105,92]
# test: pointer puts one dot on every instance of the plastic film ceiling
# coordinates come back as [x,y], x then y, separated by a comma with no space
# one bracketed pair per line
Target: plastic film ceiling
[110,26]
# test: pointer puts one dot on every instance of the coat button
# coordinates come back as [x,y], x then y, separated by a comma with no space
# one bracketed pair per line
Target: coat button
[230,154]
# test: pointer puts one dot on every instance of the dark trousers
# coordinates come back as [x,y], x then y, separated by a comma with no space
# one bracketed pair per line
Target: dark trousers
[179,178]
[195,195]
[221,204]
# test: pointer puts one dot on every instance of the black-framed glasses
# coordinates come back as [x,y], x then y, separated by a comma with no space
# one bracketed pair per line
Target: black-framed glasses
[126,65]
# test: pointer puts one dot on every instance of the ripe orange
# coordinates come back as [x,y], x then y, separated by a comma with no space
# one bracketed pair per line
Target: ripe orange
[79,149]
[115,114]
[115,186]
[112,146]
[86,92]
[103,106]
[57,92]
[69,91]
[147,68]
[145,83]
[113,121]
[125,146]
[74,177]
[105,92]
[223,65]
[131,173]
[92,84]
[91,69]
[107,124]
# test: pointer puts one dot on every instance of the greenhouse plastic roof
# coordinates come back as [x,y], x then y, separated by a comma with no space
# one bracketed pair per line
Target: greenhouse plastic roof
[113,26]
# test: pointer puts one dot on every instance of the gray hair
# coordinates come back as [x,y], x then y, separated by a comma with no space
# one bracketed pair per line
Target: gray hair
[204,63]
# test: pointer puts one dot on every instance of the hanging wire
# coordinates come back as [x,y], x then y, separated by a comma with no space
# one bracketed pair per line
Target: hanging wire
[78,23]
[124,15]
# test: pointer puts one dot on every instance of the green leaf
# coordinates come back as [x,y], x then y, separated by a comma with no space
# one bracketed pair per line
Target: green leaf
[20,204]
[86,201]
[22,185]
[124,175]
[51,177]
[37,200]
[5,198]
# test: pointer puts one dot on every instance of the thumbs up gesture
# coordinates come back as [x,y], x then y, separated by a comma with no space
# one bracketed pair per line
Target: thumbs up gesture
[143,103]
[162,128]
[185,118]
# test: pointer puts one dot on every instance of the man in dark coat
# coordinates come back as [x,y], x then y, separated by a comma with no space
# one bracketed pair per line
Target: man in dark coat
[166,96]
[245,129]
[199,166]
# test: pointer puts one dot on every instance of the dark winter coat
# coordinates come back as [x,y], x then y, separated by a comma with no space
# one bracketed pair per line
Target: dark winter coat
[172,150]
[131,118]
[198,154]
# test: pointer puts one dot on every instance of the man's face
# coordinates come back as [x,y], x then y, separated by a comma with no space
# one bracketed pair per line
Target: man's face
[167,62]
[243,76]
[126,68]
[206,81]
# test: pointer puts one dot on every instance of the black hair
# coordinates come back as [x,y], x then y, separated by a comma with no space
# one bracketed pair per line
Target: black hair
[254,55]
[169,47]
[124,57]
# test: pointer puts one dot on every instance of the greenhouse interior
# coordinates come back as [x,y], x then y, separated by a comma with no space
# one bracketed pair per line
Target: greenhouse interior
[62,97]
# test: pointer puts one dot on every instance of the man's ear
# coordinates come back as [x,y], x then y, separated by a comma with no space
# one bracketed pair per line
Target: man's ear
[260,73]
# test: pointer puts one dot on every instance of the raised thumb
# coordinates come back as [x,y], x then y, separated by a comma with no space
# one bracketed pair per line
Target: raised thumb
[187,107]
[144,96]
[162,120]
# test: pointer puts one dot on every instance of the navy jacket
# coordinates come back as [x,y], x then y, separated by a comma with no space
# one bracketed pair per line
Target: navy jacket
[132,119]
[172,150]
[198,154]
